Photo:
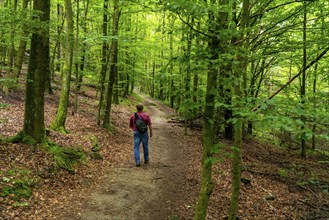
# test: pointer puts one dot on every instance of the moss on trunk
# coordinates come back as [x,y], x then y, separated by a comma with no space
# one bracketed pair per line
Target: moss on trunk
[34,126]
[59,121]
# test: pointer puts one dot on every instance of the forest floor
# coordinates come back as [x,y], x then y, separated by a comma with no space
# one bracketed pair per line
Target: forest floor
[276,183]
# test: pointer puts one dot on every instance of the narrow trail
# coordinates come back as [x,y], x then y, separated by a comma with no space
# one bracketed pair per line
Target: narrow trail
[153,191]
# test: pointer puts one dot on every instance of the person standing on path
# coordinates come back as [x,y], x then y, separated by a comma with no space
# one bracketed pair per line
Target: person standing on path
[139,136]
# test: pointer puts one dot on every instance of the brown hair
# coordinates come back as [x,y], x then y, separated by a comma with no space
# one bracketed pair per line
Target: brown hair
[139,107]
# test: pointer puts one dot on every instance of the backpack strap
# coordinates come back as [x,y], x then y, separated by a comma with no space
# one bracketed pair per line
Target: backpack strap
[137,117]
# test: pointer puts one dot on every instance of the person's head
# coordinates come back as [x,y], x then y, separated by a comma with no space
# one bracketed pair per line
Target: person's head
[139,107]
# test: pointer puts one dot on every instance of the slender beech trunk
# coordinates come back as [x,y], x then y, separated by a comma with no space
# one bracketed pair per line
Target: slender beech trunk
[152,81]
[116,89]
[77,63]
[56,56]
[11,52]
[206,187]
[314,106]
[237,148]
[59,121]
[171,68]
[315,82]
[254,89]
[126,74]
[113,63]
[104,60]
[196,77]
[22,47]
[84,44]
[11,80]
[303,85]
[162,76]
[188,74]
[34,125]
[208,141]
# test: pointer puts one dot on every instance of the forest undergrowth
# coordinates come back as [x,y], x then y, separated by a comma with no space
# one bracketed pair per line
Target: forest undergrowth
[275,184]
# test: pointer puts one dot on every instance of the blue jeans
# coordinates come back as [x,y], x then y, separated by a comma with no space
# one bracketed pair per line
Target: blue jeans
[138,138]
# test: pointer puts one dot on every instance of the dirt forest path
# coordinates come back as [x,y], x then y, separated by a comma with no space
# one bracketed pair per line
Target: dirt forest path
[154,191]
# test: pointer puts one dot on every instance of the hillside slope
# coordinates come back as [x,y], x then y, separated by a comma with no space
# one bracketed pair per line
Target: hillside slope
[275,184]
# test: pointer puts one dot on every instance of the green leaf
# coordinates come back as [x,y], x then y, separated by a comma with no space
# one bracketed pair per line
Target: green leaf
[21,204]
[5,179]
[212,160]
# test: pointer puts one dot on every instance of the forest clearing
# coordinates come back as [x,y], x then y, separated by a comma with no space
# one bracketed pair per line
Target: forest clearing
[237,92]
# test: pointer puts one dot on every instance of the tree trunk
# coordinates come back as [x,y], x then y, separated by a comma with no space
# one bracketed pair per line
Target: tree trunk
[22,47]
[59,121]
[34,126]
[116,89]
[77,63]
[104,60]
[113,64]
[315,83]
[11,52]
[303,86]
[152,85]
[11,80]
[59,31]
[84,44]
[208,142]
[206,187]
[171,68]
[314,106]
[237,148]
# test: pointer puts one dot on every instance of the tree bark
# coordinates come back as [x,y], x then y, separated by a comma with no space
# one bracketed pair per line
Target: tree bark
[237,148]
[303,86]
[77,63]
[171,68]
[21,48]
[208,142]
[34,126]
[59,121]
[206,187]
[113,64]
[104,60]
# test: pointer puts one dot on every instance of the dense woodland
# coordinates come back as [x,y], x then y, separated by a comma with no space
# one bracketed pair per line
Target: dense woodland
[239,69]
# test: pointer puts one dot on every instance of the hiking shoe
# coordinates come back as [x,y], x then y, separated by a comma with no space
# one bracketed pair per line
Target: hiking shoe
[138,165]
[146,161]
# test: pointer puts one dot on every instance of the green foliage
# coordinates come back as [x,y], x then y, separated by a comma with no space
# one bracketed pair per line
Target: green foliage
[282,172]
[218,154]
[9,83]
[4,105]
[124,101]
[21,204]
